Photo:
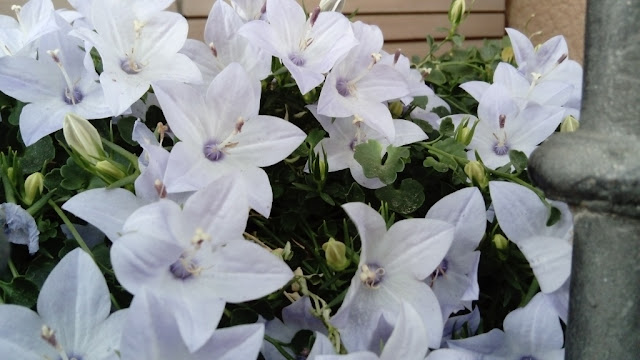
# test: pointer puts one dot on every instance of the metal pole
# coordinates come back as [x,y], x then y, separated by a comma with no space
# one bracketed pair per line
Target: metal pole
[597,171]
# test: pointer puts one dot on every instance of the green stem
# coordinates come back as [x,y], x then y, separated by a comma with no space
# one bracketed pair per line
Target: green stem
[33,209]
[278,345]
[516,180]
[12,267]
[448,63]
[130,179]
[71,227]
[115,302]
[120,150]
[8,191]
[533,290]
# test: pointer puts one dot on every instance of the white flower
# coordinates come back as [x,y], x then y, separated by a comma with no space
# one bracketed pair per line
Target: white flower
[392,269]
[73,319]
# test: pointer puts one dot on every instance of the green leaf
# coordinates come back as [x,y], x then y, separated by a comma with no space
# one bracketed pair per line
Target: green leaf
[37,154]
[14,118]
[377,166]
[74,177]
[421,101]
[518,160]
[554,216]
[405,200]
[327,198]
[125,128]
[20,291]
[39,269]
[446,127]
[437,77]
[435,164]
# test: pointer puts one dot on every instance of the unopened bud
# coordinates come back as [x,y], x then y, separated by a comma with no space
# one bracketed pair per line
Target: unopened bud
[109,170]
[285,254]
[456,11]
[332,5]
[33,186]
[500,242]
[507,54]
[10,175]
[464,132]
[335,254]
[475,171]
[396,108]
[83,138]
[569,124]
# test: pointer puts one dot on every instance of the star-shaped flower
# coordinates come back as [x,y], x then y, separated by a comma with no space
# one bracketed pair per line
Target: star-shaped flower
[308,48]
[151,333]
[504,127]
[221,132]
[18,36]
[223,45]
[196,258]
[347,133]
[73,319]
[392,269]
[137,48]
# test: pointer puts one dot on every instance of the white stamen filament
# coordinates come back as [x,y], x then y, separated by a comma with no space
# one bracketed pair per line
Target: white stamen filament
[69,90]
[17,9]
[5,48]
[214,51]
[48,335]
[227,143]
[351,84]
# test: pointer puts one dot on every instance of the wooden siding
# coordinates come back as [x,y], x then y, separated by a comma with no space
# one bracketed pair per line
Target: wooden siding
[404,23]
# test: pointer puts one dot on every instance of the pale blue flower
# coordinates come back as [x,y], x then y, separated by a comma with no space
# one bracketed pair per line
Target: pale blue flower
[393,267]
[308,48]
[532,332]
[19,226]
[73,320]
[18,36]
[151,333]
[196,258]
[455,280]
[407,341]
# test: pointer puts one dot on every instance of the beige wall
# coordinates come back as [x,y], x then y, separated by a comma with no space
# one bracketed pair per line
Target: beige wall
[552,17]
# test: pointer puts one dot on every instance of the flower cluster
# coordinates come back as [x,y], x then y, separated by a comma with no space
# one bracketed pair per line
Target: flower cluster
[217,172]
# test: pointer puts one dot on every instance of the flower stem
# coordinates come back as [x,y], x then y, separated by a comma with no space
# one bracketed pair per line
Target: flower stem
[72,228]
[12,267]
[120,150]
[278,345]
[8,191]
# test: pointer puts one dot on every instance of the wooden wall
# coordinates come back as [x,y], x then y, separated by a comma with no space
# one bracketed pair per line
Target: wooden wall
[404,23]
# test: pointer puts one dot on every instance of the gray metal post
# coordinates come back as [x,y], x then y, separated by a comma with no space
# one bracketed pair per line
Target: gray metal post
[597,171]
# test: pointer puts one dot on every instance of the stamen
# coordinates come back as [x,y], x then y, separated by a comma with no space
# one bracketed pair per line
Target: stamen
[501,120]
[376,57]
[239,124]
[371,275]
[48,335]
[137,27]
[199,237]
[17,9]
[72,95]
[162,130]
[562,58]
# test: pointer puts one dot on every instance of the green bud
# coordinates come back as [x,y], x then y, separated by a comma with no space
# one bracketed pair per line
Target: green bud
[464,132]
[332,5]
[569,124]
[456,11]
[396,108]
[83,138]
[500,242]
[319,167]
[109,170]
[335,254]
[475,171]
[285,254]
[10,175]
[507,54]
[33,186]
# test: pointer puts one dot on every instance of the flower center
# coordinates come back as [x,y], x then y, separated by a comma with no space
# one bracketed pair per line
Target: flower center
[441,269]
[500,147]
[215,150]
[343,87]
[130,65]
[72,97]
[371,275]
[297,59]
[49,335]
[187,265]
[212,151]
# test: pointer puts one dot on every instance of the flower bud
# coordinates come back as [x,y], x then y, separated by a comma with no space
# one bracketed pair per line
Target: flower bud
[285,254]
[10,175]
[335,254]
[500,242]
[456,11]
[569,124]
[396,108]
[332,5]
[33,186]
[109,170]
[83,138]
[475,171]
[464,133]
[507,54]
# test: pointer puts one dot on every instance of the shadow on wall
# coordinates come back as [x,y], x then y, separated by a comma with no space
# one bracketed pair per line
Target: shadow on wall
[551,17]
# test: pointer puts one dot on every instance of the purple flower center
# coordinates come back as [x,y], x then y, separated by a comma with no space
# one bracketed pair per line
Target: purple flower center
[372,275]
[72,97]
[130,66]
[297,59]
[342,85]
[500,149]
[441,269]
[212,151]
[183,268]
